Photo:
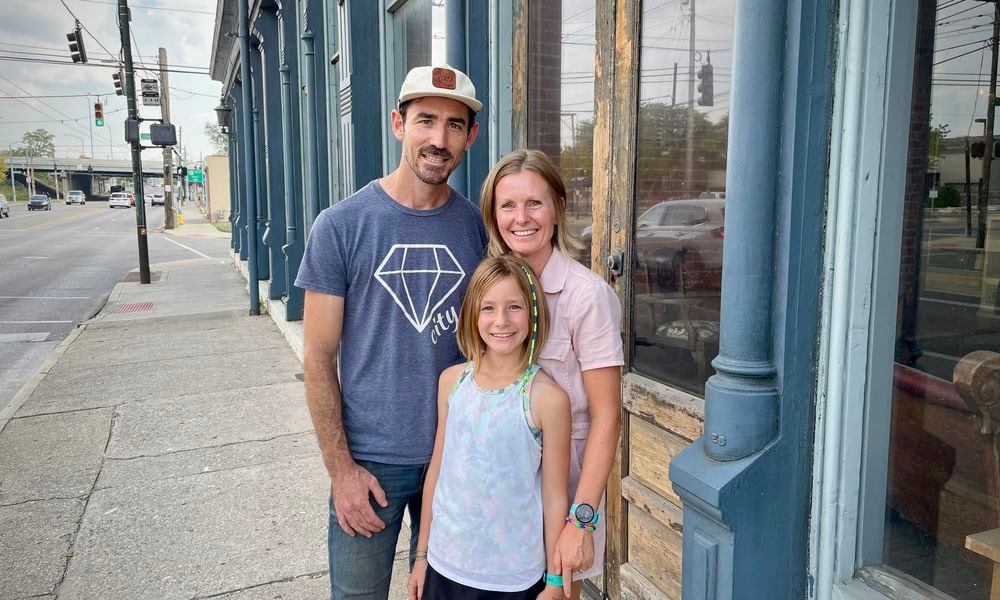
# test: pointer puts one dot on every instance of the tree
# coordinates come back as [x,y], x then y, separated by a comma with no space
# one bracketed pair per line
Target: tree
[37,143]
[218,138]
[935,145]
[4,168]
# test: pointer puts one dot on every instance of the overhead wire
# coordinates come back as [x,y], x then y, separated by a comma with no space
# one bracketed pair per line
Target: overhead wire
[84,26]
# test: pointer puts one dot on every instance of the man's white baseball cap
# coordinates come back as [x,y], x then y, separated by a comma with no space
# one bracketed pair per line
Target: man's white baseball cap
[443,81]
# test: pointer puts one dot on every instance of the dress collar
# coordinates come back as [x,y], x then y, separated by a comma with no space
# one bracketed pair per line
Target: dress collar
[554,273]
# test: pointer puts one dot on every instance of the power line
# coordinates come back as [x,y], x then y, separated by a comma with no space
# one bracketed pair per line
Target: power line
[89,64]
[44,103]
[961,55]
[973,7]
[56,96]
[148,7]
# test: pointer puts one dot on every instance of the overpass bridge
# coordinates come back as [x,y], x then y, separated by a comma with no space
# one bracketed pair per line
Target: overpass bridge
[95,166]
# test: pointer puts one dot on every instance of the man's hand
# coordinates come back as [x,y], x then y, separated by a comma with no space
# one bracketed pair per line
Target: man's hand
[415,586]
[350,501]
[575,549]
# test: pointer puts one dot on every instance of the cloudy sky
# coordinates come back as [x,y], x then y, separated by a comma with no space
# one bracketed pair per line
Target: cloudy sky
[32,31]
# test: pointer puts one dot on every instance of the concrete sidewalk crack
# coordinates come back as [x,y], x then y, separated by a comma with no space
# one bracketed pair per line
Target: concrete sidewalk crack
[49,499]
[70,552]
[315,575]
[227,444]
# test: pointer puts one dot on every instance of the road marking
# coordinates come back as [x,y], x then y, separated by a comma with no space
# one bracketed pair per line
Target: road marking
[31,322]
[96,228]
[14,338]
[36,257]
[185,247]
[44,297]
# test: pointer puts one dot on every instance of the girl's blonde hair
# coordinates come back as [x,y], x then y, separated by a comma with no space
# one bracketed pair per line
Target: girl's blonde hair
[515,162]
[490,272]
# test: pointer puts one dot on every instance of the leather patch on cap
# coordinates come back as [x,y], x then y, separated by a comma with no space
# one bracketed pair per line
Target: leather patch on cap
[443,78]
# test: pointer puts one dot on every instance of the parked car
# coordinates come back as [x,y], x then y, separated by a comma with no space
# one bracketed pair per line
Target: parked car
[4,207]
[678,245]
[119,199]
[154,198]
[39,202]
[76,197]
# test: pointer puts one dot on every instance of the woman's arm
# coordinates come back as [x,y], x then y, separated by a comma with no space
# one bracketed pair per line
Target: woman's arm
[603,386]
[415,586]
[550,408]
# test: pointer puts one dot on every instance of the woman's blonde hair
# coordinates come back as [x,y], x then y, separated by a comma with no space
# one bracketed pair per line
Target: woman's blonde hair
[515,162]
[490,272]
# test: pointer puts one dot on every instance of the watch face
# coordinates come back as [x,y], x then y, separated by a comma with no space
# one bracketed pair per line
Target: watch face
[584,513]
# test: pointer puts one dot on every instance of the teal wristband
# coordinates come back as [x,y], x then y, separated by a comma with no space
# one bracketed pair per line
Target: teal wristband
[551,579]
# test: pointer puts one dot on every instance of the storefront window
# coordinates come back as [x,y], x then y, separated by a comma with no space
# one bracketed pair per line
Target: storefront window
[561,44]
[685,69]
[943,496]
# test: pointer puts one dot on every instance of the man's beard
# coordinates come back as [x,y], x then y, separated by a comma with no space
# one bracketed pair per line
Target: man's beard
[432,151]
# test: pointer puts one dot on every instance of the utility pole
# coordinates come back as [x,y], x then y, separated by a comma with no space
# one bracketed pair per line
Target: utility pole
[984,193]
[13,189]
[169,210]
[133,113]
[968,190]
[673,93]
[689,174]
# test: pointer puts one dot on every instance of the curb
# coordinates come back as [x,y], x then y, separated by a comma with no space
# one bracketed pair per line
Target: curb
[7,414]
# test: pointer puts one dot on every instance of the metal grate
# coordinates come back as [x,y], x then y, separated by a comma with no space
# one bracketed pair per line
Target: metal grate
[133,307]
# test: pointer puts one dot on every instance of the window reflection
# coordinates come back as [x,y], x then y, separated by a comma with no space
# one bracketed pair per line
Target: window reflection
[943,496]
[680,191]
[561,40]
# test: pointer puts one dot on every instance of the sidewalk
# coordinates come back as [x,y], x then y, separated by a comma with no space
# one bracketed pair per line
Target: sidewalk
[165,451]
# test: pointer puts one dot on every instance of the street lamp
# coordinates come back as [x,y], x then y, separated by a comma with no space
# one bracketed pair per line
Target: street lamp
[222,113]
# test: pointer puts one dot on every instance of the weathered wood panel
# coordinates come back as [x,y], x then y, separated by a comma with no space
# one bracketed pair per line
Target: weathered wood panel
[665,512]
[635,586]
[668,407]
[650,451]
[655,552]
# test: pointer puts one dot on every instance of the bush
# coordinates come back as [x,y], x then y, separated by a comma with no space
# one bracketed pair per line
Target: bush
[948,197]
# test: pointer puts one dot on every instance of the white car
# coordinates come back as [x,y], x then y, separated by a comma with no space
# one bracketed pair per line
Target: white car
[76,197]
[119,199]
[155,198]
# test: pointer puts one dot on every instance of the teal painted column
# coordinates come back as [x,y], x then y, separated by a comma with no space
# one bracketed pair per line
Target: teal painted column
[311,157]
[294,233]
[274,226]
[260,183]
[745,483]
[233,184]
[240,221]
[249,166]
[457,57]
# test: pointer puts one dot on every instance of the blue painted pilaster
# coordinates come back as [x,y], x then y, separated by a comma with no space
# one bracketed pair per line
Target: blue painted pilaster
[250,164]
[477,159]
[308,71]
[241,180]
[260,183]
[456,56]
[233,185]
[294,233]
[274,230]
[364,87]
[745,483]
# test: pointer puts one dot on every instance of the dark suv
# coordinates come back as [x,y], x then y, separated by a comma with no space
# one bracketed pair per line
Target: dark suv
[39,202]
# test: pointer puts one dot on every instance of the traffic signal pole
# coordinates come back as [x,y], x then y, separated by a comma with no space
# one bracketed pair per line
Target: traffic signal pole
[133,113]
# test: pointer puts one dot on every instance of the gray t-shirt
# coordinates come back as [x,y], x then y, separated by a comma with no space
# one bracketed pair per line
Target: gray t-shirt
[403,274]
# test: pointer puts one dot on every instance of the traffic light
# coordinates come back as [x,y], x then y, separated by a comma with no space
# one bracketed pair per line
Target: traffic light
[98,114]
[977,149]
[119,89]
[76,49]
[706,86]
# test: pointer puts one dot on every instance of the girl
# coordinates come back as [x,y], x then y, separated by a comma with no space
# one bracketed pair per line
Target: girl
[497,500]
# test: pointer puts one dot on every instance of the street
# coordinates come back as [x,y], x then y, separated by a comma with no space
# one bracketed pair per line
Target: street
[57,268]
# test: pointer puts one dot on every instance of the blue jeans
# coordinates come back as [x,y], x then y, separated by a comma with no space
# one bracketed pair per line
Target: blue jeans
[360,567]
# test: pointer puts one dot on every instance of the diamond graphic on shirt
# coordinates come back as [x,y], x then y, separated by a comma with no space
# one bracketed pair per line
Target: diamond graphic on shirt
[420,278]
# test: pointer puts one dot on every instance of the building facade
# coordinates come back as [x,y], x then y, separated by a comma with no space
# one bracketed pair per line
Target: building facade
[811,343]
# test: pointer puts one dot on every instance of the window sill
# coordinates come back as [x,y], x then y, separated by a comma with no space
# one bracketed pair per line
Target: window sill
[880,583]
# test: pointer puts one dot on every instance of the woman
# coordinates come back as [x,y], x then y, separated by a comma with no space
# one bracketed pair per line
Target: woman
[524,208]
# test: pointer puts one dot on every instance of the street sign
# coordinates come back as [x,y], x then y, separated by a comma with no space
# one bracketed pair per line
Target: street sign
[150,92]
[196,176]
[144,136]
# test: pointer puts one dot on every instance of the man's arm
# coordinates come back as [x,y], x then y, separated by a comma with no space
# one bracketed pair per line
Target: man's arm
[323,323]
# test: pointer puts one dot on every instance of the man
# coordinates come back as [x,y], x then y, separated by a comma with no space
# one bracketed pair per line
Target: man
[385,271]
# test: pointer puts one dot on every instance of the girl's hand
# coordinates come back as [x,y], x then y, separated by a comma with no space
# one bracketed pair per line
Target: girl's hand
[575,549]
[551,592]
[415,586]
